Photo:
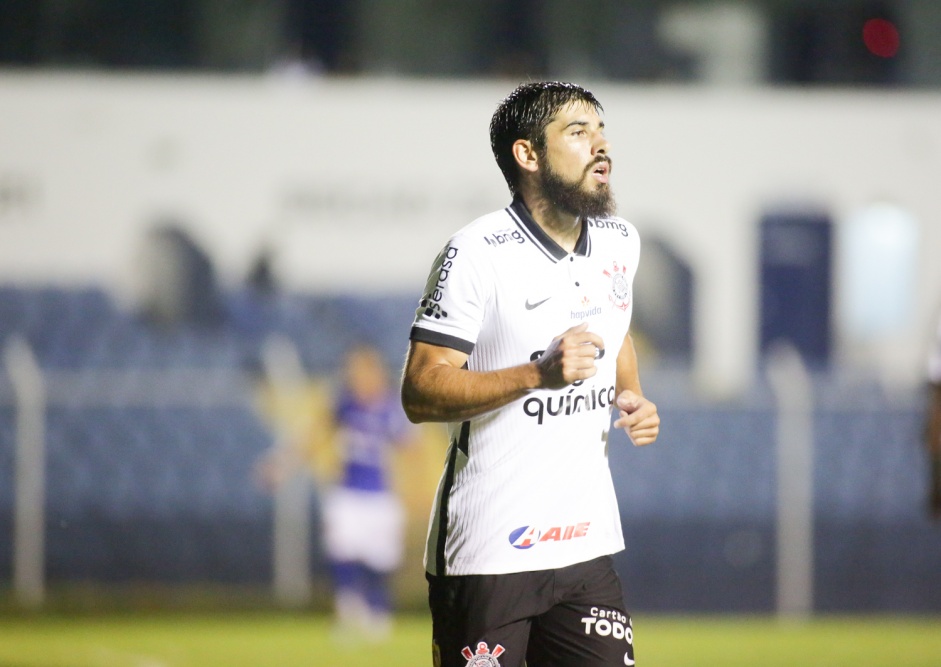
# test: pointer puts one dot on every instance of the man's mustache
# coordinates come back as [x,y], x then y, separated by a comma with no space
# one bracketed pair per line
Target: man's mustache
[600,158]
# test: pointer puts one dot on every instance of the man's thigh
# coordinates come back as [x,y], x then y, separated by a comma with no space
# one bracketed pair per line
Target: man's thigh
[590,627]
[571,617]
[484,621]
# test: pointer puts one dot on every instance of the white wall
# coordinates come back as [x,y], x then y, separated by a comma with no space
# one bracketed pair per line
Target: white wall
[357,183]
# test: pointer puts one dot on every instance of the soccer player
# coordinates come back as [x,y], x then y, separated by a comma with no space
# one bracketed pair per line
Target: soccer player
[933,427]
[363,518]
[521,345]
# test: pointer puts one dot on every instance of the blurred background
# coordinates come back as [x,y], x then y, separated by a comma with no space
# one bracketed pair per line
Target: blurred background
[203,203]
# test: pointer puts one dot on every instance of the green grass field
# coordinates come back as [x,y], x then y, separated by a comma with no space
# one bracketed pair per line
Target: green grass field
[289,640]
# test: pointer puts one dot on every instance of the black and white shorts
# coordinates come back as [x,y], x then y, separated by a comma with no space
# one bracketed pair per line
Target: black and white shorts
[569,617]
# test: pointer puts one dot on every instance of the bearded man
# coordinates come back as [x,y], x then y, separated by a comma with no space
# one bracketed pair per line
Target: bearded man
[521,345]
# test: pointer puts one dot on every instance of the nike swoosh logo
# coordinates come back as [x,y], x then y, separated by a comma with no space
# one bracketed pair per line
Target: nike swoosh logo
[530,306]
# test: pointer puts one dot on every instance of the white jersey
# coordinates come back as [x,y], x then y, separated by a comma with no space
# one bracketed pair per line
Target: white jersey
[527,486]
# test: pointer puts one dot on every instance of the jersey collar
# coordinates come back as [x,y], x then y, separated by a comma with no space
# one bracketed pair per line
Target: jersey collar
[543,241]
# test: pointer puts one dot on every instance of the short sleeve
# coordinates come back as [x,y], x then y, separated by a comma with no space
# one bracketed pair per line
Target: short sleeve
[452,306]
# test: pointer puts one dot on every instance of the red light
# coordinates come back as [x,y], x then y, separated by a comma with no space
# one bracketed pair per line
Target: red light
[881,37]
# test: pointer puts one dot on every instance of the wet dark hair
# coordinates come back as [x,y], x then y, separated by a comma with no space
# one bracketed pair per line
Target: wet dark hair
[524,114]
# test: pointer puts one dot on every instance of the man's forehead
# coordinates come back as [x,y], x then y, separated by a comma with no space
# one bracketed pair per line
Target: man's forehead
[577,110]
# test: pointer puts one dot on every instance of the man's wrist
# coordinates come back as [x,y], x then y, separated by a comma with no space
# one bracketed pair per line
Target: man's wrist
[532,378]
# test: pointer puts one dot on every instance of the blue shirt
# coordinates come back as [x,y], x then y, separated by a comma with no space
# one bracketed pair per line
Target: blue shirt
[369,431]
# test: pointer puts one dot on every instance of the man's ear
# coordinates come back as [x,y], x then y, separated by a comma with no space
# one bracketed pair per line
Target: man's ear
[525,155]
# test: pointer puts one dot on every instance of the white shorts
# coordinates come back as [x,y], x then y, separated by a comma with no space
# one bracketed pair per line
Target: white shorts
[365,527]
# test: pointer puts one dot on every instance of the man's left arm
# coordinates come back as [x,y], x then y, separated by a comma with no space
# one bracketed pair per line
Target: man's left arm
[637,415]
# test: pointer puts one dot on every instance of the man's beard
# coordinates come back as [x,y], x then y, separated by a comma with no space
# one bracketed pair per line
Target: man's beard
[573,197]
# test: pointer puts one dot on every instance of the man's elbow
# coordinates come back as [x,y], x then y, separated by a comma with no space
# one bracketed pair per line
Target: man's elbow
[415,416]
[414,406]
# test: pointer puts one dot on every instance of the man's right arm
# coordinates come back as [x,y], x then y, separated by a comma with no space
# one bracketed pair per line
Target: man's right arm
[436,386]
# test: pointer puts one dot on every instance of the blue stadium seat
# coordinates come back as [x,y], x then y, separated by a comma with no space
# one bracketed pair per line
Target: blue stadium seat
[166,492]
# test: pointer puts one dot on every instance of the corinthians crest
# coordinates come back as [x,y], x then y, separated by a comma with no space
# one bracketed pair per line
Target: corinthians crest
[620,294]
[483,657]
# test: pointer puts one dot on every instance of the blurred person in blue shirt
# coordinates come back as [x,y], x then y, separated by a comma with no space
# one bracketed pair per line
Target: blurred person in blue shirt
[364,519]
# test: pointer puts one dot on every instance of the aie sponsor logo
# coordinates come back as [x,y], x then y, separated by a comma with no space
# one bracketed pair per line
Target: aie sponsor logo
[526,537]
